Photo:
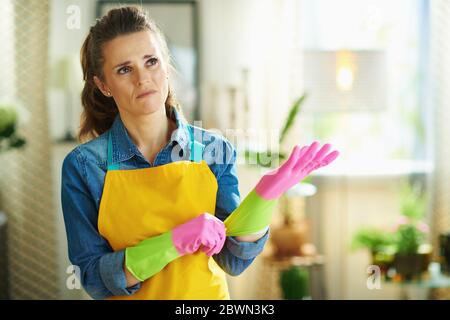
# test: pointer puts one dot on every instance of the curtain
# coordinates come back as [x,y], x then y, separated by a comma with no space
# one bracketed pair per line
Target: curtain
[26,183]
[440,102]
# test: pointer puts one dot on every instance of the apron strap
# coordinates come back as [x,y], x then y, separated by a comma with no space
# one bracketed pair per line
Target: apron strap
[196,148]
[111,166]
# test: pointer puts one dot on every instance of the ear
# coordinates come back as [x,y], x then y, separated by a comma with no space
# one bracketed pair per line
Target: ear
[102,86]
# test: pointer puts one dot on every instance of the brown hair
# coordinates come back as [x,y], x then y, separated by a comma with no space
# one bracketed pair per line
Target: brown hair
[99,111]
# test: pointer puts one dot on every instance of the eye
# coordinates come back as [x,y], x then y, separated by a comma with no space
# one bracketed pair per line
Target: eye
[152,61]
[123,70]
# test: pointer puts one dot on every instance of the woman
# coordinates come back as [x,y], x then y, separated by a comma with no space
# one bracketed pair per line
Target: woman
[143,209]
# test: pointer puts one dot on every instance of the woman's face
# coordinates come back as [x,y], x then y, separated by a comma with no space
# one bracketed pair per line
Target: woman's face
[135,73]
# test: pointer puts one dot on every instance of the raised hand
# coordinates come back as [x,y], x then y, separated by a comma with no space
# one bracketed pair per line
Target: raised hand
[300,164]
[255,211]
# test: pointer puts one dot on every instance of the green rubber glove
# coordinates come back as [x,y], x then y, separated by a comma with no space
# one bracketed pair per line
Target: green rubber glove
[253,215]
[150,256]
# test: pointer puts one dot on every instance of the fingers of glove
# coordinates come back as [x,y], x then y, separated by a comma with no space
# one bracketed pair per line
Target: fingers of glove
[209,250]
[330,158]
[220,245]
[205,249]
[190,247]
[327,160]
[208,239]
[219,240]
[292,158]
[211,231]
[318,158]
[218,237]
[307,157]
[303,150]
[220,227]
[320,155]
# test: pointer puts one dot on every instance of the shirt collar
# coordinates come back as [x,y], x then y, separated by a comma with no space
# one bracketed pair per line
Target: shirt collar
[181,134]
[124,148]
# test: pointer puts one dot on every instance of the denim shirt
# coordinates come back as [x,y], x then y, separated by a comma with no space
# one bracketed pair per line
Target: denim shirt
[83,174]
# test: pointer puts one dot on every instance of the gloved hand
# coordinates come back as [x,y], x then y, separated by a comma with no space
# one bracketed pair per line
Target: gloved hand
[205,230]
[301,163]
[151,255]
[255,211]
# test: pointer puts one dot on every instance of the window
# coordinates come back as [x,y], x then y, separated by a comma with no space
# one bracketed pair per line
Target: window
[399,28]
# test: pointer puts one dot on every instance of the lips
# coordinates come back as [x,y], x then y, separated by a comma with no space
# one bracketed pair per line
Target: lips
[146,93]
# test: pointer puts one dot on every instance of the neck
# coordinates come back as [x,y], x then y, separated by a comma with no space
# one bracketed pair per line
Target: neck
[149,133]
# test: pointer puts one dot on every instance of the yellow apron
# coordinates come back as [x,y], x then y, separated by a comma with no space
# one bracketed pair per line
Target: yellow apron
[141,203]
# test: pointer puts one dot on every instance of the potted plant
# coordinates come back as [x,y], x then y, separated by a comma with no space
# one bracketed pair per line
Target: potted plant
[9,139]
[294,283]
[412,256]
[404,246]
[412,252]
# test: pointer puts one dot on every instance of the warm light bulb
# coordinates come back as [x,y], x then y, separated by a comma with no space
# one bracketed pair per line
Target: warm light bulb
[344,78]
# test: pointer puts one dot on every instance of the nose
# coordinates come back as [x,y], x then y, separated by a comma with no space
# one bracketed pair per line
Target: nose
[142,76]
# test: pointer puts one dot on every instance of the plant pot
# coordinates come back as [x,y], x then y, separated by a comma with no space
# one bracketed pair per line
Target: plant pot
[411,265]
[288,239]
[383,260]
[444,247]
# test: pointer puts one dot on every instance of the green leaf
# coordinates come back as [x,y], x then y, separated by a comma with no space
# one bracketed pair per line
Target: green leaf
[7,131]
[371,238]
[265,159]
[408,239]
[293,112]
[16,142]
[413,202]
[8,118]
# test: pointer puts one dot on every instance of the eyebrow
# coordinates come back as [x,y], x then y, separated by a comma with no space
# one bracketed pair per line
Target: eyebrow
[128,62]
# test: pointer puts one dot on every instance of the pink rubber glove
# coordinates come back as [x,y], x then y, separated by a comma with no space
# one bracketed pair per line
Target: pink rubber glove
[205,230]
[300,164]
[217,247]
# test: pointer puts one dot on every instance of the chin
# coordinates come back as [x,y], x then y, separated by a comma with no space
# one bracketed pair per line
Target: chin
[149,108]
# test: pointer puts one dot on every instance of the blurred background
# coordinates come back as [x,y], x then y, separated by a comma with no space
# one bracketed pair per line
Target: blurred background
[371,77]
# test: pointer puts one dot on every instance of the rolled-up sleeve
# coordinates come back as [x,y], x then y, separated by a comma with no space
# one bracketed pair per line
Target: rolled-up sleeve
[101,269]
[236,256]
